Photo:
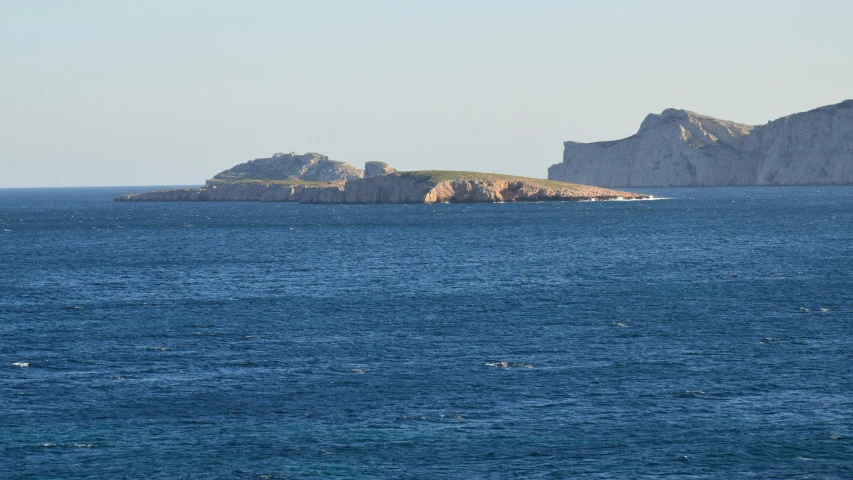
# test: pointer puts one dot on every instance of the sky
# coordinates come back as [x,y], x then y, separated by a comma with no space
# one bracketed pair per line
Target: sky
[120,92]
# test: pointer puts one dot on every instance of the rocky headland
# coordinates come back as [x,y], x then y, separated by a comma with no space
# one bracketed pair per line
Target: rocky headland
[312,178]
[683,148]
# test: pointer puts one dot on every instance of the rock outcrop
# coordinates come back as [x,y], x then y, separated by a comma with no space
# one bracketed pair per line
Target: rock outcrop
[241,192]
[312,167]
[396,187]
[372,169]
[682,148]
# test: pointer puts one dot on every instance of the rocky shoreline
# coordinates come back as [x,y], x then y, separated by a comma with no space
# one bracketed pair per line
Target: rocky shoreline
[394,187]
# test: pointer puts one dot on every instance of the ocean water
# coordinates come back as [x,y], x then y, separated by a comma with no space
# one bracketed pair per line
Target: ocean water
[708,335]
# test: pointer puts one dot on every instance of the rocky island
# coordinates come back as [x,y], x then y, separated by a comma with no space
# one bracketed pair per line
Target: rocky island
[314,178]
[680,148]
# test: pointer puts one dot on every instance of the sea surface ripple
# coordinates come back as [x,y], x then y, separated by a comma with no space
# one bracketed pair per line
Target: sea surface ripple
[705,336]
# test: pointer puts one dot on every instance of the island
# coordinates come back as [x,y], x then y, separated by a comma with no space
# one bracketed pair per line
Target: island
[680,148]
[313,178]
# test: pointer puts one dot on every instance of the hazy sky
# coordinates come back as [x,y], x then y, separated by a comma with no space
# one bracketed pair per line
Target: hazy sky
[171,92]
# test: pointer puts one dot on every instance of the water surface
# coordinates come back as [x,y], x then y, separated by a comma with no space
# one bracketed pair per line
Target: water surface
[705,336]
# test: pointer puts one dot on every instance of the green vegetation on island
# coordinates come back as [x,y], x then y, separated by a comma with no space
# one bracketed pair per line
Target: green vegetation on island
[313,178]
[439,176]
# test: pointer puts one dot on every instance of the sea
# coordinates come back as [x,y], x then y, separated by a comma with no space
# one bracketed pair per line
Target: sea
[707,334]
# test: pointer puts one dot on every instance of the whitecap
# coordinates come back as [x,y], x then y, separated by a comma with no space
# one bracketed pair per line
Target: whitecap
[78,445]
[651,198]
[21,364]
[824,310]
[509,365]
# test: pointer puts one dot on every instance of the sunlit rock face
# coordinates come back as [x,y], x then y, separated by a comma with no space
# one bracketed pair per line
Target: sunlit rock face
[682,148]
[372,169]
[396,187]
[313,167]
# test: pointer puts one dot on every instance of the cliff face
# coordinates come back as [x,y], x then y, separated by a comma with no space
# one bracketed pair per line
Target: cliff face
[312,167]
[399,187]
[372,169]
[682,148]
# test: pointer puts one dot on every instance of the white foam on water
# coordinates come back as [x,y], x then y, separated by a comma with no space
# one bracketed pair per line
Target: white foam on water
[622,199]
[651,198]
[509,365]
[21,364]
[76,445]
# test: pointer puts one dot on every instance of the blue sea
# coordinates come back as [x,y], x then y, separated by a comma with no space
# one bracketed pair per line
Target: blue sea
[705,335]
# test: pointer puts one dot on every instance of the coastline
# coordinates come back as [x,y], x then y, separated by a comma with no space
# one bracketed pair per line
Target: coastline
[394,188]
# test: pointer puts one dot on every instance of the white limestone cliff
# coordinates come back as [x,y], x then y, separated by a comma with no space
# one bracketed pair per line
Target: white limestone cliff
[312,167]
[682,148]
[372,169]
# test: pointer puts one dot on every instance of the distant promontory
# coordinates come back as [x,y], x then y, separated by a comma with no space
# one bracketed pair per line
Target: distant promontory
[314,178]
[680,148]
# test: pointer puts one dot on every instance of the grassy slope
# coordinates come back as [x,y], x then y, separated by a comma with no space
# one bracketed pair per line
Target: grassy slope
[436,176]
[304,183]
[449,175]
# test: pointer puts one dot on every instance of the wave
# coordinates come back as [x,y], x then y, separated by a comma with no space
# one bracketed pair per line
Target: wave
[622,199]
[67,445]
[650,199]
[509,365]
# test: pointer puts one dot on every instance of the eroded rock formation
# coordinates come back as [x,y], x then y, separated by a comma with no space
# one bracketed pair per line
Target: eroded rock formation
[682,148]
[312,167]
[372,169]
[397,187]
